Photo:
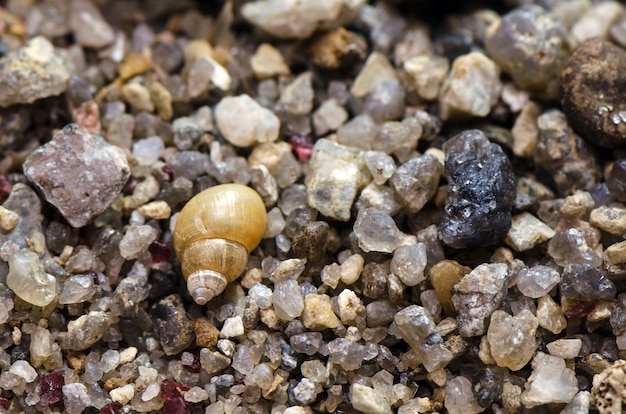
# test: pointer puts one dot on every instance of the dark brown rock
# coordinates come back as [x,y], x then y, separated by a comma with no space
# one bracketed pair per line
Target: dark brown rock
[78,172]
[173,326]
[593,85]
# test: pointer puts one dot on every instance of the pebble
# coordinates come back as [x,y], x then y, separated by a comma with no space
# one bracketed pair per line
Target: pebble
[8,219]
[565,348]
[460,398]
[28,279]
[23,369]
[409,263]
[579,404]
[376,70]
[527,231]
[317,313]
[173,326]
[359,132]
[158,210]
[76,397]
[427,73]
[148,150]
[377,232]
[329,116]
[350,306]
[586,282]
[416,181]
[77,289]
[138,97]
[591,96]
[337,48]
[88,26]
[232,328]
[610,218]
[550,382]
[512,338]
[597,20]
[534,39]
[136,240]
[471,89]
[78,173]
[524,130]
[443,276]
[570,246]
[368,400]
[267,62]
[260,126]
[212,361]
[379,197]
[337,173]
[85,331]
[122,395]
[297,96]
[287,299]
[35,71]
[477,295]
[476,214]
[206,333]
[537,281]
[550,315]
[298,20]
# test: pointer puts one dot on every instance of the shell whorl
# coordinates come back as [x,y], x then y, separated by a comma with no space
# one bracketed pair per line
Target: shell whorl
[214,234]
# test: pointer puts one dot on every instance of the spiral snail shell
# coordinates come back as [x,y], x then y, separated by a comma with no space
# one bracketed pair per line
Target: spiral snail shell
[214,233]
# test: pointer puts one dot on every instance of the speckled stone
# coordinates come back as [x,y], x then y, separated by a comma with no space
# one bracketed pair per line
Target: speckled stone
[592,97]
[78,172]
[33,72]
[174,328]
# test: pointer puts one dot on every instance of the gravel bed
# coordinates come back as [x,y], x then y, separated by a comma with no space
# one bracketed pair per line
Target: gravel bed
[292,207]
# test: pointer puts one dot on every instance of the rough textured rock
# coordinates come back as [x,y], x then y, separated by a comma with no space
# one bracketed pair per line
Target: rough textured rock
[337,173]
[481,191]
[477,295]
[530,44]
[592,92]
[173,326]
[550,382]
[261,124]
[35,71]
[78,172]
[567,158]
[471,89]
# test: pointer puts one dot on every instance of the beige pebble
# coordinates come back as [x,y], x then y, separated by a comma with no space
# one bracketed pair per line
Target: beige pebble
[156,210]
[8,219]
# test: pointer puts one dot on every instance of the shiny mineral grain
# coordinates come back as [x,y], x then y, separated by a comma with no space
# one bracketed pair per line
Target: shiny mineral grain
[481,191]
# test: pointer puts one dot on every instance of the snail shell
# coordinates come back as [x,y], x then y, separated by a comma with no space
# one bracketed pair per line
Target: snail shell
[214,233]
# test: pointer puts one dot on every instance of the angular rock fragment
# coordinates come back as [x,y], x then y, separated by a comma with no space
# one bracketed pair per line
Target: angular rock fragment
[337,173]
[35,71]
[477,295]
[173,326]
[481,192]
[78,173]
[529,43]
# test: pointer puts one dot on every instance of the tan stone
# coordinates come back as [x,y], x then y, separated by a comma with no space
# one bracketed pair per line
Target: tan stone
[318,314]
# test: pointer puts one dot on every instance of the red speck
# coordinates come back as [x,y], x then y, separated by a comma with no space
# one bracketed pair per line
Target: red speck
[581,310]
[50,386]
[303,146]
[5,188]
[167,169]
[5,402]
[159,251]
[109,409]
[172,394]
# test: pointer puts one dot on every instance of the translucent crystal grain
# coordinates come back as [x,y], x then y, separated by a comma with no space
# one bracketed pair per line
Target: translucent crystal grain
[569,246]
[512,338]
[537,281]
[409,262]
[550,382]
[28,279]
[376,231]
